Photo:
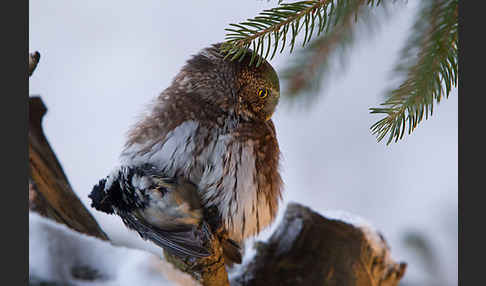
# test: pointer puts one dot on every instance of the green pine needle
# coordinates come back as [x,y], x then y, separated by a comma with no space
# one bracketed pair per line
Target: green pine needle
[428,61]
[281,25]
[430,74]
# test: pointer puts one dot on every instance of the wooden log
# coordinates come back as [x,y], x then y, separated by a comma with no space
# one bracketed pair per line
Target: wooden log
[50,193]
[49,189]
[33,61]
[310,249]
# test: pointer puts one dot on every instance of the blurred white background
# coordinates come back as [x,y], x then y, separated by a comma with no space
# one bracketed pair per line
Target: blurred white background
[103,61]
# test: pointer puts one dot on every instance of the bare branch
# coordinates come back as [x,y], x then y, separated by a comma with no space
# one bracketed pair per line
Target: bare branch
[49,189]
[33,61]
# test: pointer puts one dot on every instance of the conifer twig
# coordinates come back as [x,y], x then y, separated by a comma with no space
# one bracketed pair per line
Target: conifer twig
[429,65]
[281,25]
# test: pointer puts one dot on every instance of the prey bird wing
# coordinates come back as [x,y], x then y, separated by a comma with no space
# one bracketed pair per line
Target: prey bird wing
[184,241]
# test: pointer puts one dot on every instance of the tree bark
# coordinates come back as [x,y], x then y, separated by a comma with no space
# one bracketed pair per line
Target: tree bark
[49,190]
[33,61]
[50,193]
[310,249]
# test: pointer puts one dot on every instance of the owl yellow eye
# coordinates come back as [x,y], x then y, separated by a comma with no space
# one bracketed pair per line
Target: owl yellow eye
[263,92]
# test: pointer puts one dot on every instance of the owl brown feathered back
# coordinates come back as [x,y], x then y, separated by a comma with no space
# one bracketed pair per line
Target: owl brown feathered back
[212,127]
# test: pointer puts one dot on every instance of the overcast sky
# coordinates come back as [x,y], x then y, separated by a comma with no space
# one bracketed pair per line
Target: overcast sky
[103,61]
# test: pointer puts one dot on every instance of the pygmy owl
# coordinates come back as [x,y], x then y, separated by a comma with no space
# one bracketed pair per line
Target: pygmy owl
[207,143]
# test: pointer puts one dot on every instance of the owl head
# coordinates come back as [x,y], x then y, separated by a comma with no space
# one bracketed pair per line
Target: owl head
[236,86]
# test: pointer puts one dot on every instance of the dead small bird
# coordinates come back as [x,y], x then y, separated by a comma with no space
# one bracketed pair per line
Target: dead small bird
[206,151]
[163,210]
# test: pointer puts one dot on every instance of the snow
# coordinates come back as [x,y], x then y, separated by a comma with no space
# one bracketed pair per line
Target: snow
[372,235]
[292,233]
[55,251]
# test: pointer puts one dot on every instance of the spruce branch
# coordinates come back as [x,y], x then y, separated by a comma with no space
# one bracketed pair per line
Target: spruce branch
[429,65]
[309,66]
[281,25]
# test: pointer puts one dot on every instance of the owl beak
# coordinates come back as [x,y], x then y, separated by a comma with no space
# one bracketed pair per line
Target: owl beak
[272,103]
